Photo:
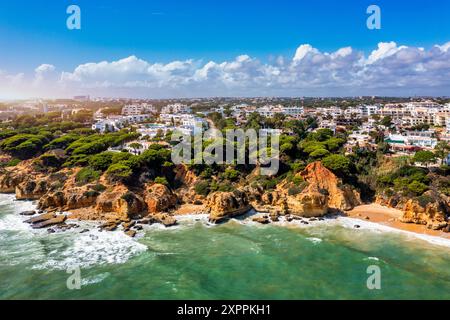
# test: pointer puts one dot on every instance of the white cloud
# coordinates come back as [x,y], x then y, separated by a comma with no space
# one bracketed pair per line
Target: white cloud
[385,49]
[303,51]
[42,72]
[445,47]
[389,69]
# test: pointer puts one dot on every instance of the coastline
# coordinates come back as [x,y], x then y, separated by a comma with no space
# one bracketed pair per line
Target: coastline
[373,213]
[384,218]
[391,218]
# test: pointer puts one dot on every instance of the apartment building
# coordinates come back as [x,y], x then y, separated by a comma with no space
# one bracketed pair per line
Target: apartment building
[423,140]
[137,109]
[176,108]
[116,123]
[270,111]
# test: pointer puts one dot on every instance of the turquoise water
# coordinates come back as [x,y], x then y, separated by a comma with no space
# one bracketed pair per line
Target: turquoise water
[237,260]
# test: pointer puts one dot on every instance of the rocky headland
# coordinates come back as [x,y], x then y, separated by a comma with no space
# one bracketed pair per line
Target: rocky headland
[116,205]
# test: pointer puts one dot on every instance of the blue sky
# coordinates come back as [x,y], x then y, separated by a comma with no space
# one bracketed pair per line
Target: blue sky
[33,33]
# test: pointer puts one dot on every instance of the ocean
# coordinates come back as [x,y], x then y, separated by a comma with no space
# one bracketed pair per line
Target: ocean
[237,260]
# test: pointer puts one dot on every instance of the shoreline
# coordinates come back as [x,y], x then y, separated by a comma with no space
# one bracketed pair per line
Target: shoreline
[369,213]
[390,217]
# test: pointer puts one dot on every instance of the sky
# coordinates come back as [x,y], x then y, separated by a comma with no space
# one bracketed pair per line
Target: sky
[199,48]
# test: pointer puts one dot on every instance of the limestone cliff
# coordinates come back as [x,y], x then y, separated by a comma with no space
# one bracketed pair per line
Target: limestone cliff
[321,193]
[430,210]
[224,205]
[159,198]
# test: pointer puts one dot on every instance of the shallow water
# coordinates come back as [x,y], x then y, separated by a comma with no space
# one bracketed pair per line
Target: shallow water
[237,260]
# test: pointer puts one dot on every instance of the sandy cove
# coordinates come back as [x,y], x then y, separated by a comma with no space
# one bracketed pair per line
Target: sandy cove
[391,217]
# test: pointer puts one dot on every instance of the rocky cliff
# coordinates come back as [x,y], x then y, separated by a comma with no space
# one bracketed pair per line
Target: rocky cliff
[431,209]
[225,205]
[321,192]
[101,200]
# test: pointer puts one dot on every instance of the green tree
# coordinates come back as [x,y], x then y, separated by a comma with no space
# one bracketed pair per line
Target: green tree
[87,175]
[386,121]
[418,188]
[101,161]
[161,180]
[202,188]
[337,163]
[136,147]
[424,157]
[442,150]
[319,153]
[119,172]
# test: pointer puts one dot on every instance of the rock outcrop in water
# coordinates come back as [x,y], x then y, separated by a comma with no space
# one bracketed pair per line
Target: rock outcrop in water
[225,205]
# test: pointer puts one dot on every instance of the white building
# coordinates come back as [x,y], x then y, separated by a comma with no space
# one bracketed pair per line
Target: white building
[137,109]
[413,139]
[107,125]
[176,108]
[327,124]
[368,111]
[270,111]
[115,123]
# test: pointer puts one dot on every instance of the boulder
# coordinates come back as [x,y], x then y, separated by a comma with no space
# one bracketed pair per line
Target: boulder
[225,205]
[159,198]
[9,180]
[52,200]
[320,193]
[262,220]
[28,213]
[308,204]
[128,225]
[164,218]
[321,180]
[50,222]
[274,216]
[131,233]
[40,218]
[111,225]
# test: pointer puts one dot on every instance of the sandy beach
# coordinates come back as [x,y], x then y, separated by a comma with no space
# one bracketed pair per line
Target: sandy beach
[391,218]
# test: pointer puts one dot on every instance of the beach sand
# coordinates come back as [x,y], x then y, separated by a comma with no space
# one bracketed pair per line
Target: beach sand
[189,209]
[391,218]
